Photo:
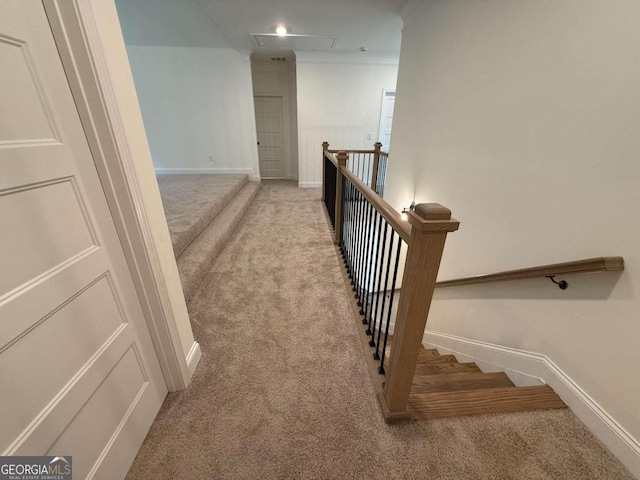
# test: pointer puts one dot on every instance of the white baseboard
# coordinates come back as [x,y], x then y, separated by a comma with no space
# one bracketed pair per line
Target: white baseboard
[215,171]
[524,367]
[309,184]
[193,358]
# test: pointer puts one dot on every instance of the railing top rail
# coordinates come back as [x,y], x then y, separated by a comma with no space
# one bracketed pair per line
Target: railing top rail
[351,151]
[589,265]
[387,211]
[381,152]
[332,158]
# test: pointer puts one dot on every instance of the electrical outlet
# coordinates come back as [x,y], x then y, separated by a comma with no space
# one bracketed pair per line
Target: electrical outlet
[369,135]
[211,158]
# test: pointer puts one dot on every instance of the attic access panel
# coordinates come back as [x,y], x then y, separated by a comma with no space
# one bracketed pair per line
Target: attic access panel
[293,42]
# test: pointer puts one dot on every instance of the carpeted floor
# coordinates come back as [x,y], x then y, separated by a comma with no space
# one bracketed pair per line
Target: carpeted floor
[282,390]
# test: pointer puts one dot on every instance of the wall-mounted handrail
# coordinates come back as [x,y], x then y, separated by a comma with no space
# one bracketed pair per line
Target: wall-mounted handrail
[589,265]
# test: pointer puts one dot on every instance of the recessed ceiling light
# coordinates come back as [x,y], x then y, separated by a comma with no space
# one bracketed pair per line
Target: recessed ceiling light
[363,49]
[281,30]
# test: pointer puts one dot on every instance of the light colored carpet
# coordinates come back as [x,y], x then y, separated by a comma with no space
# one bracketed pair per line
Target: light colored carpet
[191,202]
[196,260]
[282,390]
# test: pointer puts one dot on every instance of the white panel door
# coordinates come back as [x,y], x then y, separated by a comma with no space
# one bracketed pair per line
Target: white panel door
[386,118]
[78,372]
[269,128]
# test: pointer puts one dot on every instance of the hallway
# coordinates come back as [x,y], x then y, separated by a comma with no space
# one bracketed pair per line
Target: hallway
[282,390]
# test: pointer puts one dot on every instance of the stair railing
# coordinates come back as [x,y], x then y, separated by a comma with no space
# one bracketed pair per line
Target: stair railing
[379,249]
[370,166]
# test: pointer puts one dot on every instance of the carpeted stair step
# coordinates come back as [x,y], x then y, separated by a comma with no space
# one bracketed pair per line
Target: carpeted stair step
[459,381]
[483,401]
[197,258]
[191,202]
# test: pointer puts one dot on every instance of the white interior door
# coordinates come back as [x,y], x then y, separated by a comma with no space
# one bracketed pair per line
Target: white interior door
[269,127]
[78,373]
[386,118]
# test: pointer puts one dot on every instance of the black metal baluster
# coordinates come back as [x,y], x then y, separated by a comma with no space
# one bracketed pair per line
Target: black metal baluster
[376,354]
[343,180]
[373,265]
[368,258]
[393,291]
[347,228]
[384,177]
[380,255]
[360,247]
[358,243]
[352,229]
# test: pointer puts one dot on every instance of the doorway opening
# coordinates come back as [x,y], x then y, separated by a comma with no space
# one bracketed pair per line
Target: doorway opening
[386,117]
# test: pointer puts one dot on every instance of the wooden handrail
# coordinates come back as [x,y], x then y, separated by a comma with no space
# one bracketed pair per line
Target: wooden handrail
[387,211]
[329,154]
[381,152]
[424,232]
[589,265]
[351,151]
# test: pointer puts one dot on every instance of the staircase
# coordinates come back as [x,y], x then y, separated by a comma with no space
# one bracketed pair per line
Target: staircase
[442,387]
[202,212]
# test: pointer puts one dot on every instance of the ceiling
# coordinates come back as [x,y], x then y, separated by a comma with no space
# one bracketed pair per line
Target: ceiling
[315,25]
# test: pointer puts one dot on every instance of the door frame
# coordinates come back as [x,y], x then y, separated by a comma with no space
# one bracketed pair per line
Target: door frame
[75,31]
[286,132]
[380,123]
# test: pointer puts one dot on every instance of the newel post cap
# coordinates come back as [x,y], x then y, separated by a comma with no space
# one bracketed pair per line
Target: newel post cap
[325,145]
[432,217]
[342,157]
[377,146]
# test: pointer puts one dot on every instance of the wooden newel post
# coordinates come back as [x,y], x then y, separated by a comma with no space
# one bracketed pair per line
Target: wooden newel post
[430,223]
[325,147]
[342,163]
[376,161]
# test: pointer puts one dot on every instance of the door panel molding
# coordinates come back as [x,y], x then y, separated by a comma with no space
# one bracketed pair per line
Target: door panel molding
[81,51]
[284,166]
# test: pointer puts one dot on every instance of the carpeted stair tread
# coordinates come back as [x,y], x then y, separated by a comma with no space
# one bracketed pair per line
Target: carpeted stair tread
[197,258]
[459,381]
[484,401]
[191,202]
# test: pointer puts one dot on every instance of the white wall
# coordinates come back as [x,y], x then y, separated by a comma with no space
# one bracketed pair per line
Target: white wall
[196,102]
[125,95]
[194,89]
[524,119]
[279,79]
[339,100]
